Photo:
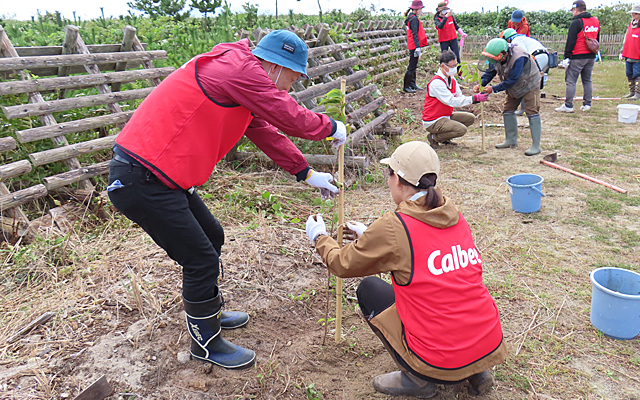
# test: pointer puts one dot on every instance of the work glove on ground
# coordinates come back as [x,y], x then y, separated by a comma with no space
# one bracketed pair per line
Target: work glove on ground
[417,52]
[480,97]
[340,135]
[322,180]
[315,227]
[355,229]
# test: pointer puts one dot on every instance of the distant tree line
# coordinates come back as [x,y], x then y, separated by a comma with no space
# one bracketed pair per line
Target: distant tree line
[613,20]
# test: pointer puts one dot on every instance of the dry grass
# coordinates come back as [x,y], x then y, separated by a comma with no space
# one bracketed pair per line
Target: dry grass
[100,279]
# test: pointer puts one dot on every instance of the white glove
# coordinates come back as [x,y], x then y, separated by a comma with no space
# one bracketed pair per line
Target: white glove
[417,52]
[620,57]
[322,180]
[315,228]
[340,135]
[357,227]
[565,63]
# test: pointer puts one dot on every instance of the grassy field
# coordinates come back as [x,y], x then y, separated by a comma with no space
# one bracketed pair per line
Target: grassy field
[116,296]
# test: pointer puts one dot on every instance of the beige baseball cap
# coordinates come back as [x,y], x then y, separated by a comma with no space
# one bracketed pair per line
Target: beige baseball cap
[411,160]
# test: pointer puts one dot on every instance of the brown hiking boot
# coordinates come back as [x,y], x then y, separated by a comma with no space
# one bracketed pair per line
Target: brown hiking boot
[632,89]
[432,141]
[400,383]
[480,383]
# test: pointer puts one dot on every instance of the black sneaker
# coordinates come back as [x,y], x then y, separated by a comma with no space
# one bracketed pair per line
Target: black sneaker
[409,90]
[416,87]
[450,143]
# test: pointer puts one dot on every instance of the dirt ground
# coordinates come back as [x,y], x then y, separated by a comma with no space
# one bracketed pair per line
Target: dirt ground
[119,312]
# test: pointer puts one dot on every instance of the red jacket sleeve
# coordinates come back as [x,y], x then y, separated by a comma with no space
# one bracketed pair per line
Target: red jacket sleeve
[276,146]
[238,78]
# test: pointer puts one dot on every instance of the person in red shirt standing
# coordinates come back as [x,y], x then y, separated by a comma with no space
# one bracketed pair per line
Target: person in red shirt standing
[172,144]
[416,39]
[578,56]
[519,22]
[631,53]
[437,319]
[448,29]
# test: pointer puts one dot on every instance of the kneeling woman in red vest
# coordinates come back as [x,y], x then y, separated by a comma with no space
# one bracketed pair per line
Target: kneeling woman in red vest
[437,320]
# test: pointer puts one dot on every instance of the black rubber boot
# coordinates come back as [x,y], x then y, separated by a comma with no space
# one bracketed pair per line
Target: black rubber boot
[480,383]
[203,322]
[233,319]
[408,79]
[413,82]
[632,88]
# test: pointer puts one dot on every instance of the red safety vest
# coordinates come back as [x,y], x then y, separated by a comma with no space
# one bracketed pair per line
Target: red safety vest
[631,47]
[434,108]
[422,37]
[449,318]
[448,32]
[179,133]
[591,26]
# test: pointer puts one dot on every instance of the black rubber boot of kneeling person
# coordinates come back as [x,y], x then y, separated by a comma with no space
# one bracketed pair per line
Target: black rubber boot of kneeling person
[204,323]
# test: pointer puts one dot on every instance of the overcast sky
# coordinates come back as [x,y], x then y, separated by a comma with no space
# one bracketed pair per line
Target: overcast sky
[88,9]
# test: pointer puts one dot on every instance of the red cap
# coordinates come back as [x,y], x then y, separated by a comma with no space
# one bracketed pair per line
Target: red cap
[416,4]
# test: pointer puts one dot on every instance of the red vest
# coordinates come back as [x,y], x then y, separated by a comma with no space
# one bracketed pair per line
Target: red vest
[422,37]
[179,133]
[448,32]
[434,108]
[591,26]
[449,318]
[631,47]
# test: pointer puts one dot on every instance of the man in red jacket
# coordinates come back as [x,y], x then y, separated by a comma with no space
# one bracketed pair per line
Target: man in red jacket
[581,60]
[172,144]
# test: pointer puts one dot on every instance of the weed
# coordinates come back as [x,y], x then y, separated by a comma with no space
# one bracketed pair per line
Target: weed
[313,393]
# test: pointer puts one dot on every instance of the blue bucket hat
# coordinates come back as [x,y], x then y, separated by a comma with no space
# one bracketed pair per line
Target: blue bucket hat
[284,48]
[516,16]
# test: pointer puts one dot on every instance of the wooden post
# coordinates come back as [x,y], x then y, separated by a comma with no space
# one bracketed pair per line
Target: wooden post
[343,88]
[127,45]
[484,148]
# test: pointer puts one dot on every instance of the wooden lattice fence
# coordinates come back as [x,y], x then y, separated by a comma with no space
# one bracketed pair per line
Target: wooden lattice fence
[370,53]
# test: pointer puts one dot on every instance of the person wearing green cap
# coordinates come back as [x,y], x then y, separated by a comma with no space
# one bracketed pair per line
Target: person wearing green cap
[172,144]
[520,79]
[436,319]
[533,47]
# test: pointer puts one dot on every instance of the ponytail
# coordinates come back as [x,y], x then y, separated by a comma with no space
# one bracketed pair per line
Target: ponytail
[407,12]
[428,183]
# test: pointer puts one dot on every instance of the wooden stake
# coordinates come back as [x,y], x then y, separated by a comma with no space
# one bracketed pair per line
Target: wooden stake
[484,148]
[343,88]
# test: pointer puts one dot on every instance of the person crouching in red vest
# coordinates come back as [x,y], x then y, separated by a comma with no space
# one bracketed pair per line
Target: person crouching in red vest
[172,144]
[437,319]
[416,39]
[443,94]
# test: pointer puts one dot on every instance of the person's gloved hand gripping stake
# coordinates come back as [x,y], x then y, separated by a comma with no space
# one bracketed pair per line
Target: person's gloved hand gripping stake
[322,180]
[339,137]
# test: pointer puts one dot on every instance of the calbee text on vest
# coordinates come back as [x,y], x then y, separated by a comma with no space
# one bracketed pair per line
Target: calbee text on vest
[591,28]
[454,260]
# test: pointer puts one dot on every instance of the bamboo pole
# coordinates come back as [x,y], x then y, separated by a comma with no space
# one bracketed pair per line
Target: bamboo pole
[343,88]
[583,176]
[484,148]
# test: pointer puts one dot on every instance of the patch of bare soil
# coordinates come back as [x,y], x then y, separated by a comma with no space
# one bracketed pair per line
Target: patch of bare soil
[119,312]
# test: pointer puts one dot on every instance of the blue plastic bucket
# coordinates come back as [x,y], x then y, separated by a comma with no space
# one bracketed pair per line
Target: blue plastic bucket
[526,192]
[615,302]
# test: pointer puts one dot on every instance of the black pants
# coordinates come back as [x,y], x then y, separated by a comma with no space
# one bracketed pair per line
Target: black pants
[413,62]
[374,296]
[453,46]
[177,221]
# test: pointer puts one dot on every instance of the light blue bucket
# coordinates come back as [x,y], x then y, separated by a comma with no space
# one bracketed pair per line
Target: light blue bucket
[526,192]
[615,302]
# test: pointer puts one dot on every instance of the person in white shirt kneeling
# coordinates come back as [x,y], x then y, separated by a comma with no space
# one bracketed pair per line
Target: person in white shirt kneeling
[443,94]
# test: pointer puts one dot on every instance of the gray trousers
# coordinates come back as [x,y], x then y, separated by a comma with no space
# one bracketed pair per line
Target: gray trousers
[583,68]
